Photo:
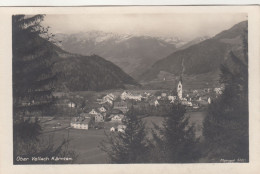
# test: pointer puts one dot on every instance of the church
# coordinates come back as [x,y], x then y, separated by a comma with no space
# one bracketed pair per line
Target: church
[179,89]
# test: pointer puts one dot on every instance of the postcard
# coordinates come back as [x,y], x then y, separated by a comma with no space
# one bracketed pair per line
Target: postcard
[123,89]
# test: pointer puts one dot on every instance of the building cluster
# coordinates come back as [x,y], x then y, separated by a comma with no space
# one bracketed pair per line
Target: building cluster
[113,112]
[113,108]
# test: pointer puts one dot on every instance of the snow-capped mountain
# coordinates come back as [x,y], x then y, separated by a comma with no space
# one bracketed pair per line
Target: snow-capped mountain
[133,53]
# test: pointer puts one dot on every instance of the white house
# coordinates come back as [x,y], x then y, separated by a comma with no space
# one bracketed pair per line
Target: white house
[102,109]
[109,96]
[117,118]
[209,100]
[163,94]
[170,97]
[80,123]
[93,112]
[71,105]
[112,129]
[156,103]
[127,95]
[219,90]
[121,128]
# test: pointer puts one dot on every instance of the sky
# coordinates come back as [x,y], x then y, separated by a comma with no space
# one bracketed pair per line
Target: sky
[185,26]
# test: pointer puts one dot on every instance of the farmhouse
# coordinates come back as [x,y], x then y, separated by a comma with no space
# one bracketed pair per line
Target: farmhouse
[71,105]
[121,128]
[93,112]
[127,95]
[102,109]
[172,98]
[163,94]
[117,118]
[80,123]
[112,129]
[99,118]
[109,97]
[156,103]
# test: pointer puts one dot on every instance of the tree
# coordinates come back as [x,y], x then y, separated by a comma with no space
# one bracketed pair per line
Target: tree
[33,84]
[130,146]
[33,78]
[175,141]
[226,125]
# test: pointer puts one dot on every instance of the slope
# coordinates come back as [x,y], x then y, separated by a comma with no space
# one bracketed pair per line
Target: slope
[202,58]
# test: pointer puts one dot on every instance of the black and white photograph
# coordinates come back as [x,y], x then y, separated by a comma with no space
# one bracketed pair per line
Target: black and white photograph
[130,88]
[114,85]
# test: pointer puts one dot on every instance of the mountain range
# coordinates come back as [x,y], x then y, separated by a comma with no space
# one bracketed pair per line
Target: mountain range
[155,62]
[199,62]
[86,73]
[133,53]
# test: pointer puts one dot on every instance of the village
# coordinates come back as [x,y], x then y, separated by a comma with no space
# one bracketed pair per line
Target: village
[85,117]
[110,109]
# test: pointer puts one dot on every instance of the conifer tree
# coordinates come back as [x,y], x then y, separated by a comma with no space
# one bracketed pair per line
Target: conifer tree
[226,125]
[129,146]
[33,78]
[175,141]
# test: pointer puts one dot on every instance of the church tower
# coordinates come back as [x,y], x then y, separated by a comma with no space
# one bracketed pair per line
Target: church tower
[179,88]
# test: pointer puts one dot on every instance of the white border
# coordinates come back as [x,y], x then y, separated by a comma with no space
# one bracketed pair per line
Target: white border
[123,2]
[6,165]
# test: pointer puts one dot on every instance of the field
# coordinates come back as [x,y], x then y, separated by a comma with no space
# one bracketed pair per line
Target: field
[85,142]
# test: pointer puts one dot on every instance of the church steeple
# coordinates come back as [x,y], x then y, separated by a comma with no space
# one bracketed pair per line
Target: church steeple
[179,88]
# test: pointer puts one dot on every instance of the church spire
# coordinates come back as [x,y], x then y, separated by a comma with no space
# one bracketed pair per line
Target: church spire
[179,88]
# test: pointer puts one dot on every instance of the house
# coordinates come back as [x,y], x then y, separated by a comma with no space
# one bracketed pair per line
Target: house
[99,118]
[163,94]
[156,103]
[93,112]
[80,123]
[172,98]
[184,99]
[127,95]
[71,105]
[209,100]
[121,128]
[122,105]
[196,106]
[103,101]
[218,90]
[195,91]
[109,97]
[102,109]
[117,117]
[147,94]
[187,103]
[112,129]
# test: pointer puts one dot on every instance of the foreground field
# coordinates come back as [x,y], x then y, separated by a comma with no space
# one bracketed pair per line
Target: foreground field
[86,142]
